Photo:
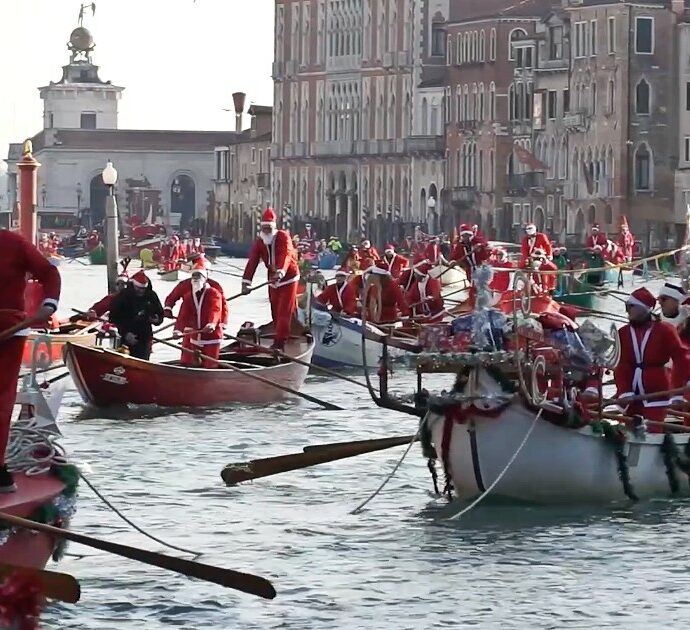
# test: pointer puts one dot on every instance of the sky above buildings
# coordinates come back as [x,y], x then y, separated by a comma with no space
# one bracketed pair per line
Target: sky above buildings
[179,60]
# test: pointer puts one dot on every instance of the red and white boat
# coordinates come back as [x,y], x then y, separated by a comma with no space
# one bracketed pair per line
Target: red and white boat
[105,377]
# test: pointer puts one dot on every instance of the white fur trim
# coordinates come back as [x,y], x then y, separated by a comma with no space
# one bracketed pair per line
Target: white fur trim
[420,263]
[466,232]
[247,282]
[591,390]
[270,224]
[138,284]
[51,302]
[633,301]
[378,271]
[672,292]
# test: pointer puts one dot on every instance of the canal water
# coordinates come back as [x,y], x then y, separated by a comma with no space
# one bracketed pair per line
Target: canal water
[395,566]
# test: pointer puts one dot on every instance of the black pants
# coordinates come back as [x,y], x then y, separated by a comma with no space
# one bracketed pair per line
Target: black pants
[141,349]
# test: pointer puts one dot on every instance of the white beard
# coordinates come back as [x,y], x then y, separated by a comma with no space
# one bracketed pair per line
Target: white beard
[268,238]
[198,285]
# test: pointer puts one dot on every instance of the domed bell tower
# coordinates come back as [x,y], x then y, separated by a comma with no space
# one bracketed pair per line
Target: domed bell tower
[80,99]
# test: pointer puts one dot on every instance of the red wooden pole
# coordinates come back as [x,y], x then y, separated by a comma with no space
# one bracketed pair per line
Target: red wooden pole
[28,171]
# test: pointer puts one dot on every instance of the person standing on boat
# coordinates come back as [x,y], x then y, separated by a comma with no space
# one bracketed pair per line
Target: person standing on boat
[340,296]
[368,254]
[274,248]
[468,253]
[407,277]
[532,241]
[433,252]
[384,300]
[626,241]
[200,321]
[596,237]
[425,297]
[185,286]
[647,346]
[100,308]
[542,282]
[19,259]
[134,312]
[395,262]
[500,282]
[671,297]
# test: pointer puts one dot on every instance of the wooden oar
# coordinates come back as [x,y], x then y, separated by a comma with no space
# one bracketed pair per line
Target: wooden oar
[12,330]
[311,366]
[239,295]
[228,364]
[245,582]
[394,441]
[678,391]
[60,586]
[671,426]
[257,468]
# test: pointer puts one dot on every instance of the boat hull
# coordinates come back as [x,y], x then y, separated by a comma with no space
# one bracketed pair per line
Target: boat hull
[107,378]
[556,465]
[173,276]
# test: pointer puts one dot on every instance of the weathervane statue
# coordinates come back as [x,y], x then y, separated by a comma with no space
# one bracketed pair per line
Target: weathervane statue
[81,11]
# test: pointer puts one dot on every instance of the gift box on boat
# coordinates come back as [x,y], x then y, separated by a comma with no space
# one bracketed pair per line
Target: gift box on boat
[433,337]
[459,342]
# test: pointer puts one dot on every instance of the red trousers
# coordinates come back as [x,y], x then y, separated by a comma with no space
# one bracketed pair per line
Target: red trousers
[283,305]
[191,360]
[11,352]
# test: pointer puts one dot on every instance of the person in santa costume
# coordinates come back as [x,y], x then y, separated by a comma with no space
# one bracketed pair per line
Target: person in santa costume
[626,241]
[596,237]
[433,252]
[134,312]
[478,235]
[274,248]
[341,296]
[500,282]
[396,263]
[425,299]
[185,286]
[387,294]
[647,345]
[200,322]
[542,282]
[172,254]
[671,297]
[531,241]
[353,259]
[19,260]
[195,248]
[468,253]
[369,254]
[407,277]
[102,307]
[93,241]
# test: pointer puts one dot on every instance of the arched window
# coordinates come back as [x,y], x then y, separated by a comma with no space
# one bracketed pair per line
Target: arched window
[563,160]
[459,111]
[449,50]
[644,167]
[466,47]
[492,45]
[591,214]
[482,46]
[643,97]
[515,34]
[610,97]
[492,101]
[481,109]
[425,117]
[475,46]
[466,101]
[511,102]
[458,52]
[473,103]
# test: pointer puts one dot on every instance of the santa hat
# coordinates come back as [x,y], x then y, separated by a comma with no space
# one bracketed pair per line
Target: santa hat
[199,263]
[538,251]
[366,244]
[642,297]
[673,291]
[202,271]
[269,218]
[140,279]
[500,253]
[465,229]
[595,226]
[389,248]
[380,268]
[124,276]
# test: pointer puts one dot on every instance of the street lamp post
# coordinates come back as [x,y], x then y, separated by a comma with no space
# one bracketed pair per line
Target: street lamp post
[431,216]
[111,231]
[79,193]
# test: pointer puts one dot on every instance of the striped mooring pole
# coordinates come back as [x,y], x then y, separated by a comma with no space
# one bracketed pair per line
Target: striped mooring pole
[287,217]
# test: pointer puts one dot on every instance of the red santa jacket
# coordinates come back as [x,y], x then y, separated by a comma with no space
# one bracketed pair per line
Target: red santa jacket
[432,252]
[501,280]
[645,351]
[340,299]
[406,280]
[92,241]
[397,264]
[279,255]
[371,253]
[530,243]
[596,239]
[171,252]
[199,309]
[392,301]
[425,297]
[18,257]
[470,255]
[626,242]
[185,286]
[103,305]
[545,281]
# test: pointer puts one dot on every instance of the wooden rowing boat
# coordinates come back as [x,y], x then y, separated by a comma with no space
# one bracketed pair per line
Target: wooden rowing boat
[105,377]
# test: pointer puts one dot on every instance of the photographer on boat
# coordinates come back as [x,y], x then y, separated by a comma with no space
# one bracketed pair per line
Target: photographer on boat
[135,311]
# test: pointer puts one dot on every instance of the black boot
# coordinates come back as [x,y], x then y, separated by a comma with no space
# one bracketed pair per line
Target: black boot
[6,481]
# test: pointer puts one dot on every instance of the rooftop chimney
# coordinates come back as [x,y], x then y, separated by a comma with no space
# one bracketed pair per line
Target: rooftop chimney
[238,100]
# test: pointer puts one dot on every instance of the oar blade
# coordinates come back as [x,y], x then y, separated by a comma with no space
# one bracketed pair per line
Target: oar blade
[59,586]
[382,442]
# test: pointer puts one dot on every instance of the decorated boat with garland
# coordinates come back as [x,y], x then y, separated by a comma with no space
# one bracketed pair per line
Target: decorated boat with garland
[515,422]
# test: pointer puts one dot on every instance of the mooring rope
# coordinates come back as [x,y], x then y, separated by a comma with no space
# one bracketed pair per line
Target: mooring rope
[486,492]
[390,475]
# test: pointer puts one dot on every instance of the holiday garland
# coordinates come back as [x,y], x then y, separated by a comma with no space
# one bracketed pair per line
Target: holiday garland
[615,436]
[669,449]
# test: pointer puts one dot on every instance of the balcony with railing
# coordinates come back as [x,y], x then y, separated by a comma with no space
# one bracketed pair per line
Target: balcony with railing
[463,195]
[426,144]
[519,184]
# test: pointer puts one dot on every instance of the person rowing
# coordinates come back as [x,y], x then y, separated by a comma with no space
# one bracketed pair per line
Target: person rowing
[341,296]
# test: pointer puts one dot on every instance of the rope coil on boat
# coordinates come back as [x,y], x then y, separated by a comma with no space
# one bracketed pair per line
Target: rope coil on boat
[33,450]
